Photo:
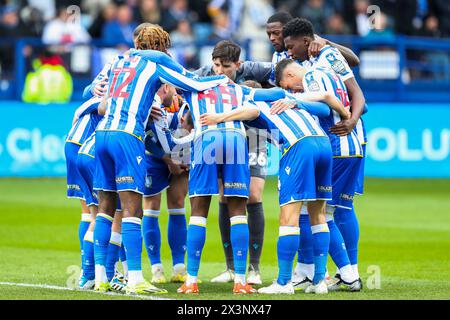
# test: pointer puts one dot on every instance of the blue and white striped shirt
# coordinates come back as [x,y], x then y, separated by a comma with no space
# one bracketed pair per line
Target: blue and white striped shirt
[324,80]
[287,128]
[88,147]
[132,86]
[88,118]
[161,134]
[221,99]
[330,58]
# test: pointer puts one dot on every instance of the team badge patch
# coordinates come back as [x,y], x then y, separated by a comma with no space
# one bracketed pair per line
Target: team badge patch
[313,86]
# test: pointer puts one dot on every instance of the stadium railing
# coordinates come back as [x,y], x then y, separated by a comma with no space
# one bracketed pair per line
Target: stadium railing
[397,69]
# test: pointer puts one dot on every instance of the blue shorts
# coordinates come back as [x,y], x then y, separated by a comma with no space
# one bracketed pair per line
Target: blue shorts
[360,182]
[73,175]
[86,167]
[345,178]
[305,171]
[120,164]
[158,176]
[219,153]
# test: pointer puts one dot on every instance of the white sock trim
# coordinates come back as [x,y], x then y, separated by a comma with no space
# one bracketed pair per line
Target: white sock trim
[152,213]
[116,239]
[238,220]
[240,278]
[89,236]
[319,228]
[104,215]
[132,220]
[197,221]
[177,212]
[86,217]
[288,231]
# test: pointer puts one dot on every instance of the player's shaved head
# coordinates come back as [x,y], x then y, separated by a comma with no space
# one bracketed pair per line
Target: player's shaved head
[274,29]
[289,75]
[279,70]
[281,17]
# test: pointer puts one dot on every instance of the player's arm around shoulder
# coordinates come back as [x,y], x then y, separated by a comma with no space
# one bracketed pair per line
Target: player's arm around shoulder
[319,43]
[245,113]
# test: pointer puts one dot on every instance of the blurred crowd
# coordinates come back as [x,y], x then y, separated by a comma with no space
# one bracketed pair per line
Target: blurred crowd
[114,20]
[61,23]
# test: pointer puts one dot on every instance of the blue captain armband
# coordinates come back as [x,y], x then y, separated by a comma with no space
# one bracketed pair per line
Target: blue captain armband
[318,109]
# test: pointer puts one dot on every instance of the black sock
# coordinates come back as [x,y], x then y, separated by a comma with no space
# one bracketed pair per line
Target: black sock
[256,228]
[224,225]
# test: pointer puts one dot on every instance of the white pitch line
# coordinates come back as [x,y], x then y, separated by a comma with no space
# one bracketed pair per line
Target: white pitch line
[45,286]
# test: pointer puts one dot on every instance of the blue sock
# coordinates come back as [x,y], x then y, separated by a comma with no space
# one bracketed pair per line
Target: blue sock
[287,246]
[83,227]
[176,234]
[305,250]
[132,241]
[112,258]
[196,236]
[88,256]
[347,222]
[123,256]
[102,235]
[152,235]
[239,235]
[338,251]
[321,243]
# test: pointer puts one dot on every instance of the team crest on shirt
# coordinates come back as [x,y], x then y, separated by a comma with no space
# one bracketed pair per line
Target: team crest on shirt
[336,65]
[313,85]
[288,170]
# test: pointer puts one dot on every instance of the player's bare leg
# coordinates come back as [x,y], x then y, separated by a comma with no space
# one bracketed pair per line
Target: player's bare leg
[224,225]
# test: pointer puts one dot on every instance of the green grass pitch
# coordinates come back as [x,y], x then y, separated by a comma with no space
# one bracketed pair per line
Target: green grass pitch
[405,235]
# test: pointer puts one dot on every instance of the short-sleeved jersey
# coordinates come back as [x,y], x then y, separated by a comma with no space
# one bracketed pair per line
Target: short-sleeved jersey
[287,128]
[249,70]
[133,84]
[103,75]
[276,58]
[323,80]
[331,58]
[220,99]
[88,118]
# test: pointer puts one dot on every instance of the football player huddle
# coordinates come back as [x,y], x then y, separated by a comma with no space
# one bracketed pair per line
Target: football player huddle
[149,125]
